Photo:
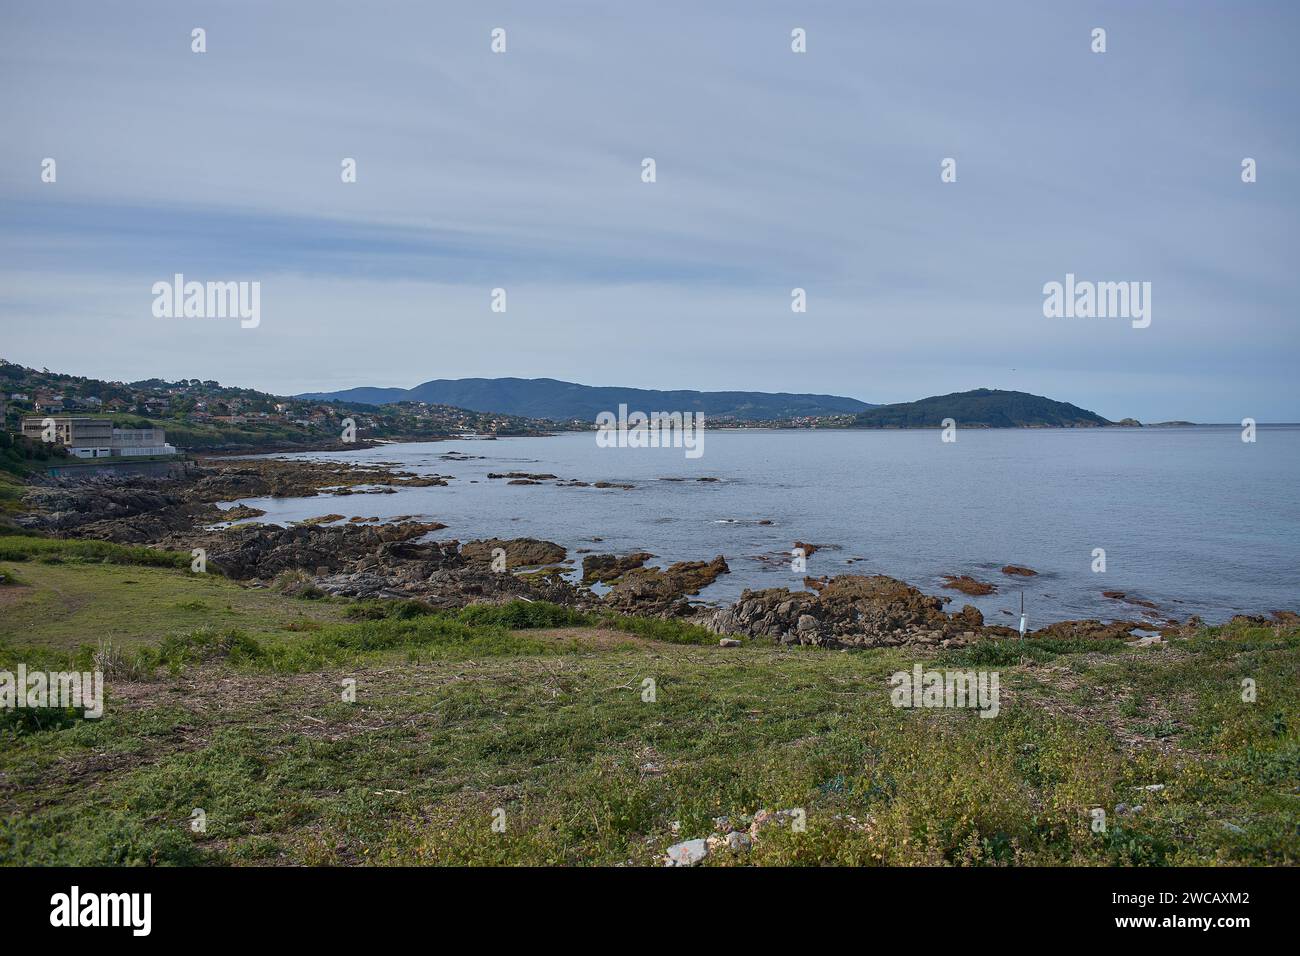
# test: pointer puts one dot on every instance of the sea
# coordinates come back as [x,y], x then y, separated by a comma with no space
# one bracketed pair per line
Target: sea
[1189,519]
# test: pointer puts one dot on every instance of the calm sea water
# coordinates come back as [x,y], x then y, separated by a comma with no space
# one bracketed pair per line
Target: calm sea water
[1192,519]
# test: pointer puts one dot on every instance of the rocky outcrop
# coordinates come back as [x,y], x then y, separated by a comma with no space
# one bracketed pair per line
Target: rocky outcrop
[1019,570]
[1089,630]
[608,568]
[141,510]
[65,506]
[133,510]
[222,480]
[850,611]
[968,585]
[520,552]
[445,587]
[1130,599]
[243,513]
[374,561]
[664,590]
[261,551]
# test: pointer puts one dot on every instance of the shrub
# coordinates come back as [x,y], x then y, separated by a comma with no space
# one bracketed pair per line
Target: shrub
[522,615]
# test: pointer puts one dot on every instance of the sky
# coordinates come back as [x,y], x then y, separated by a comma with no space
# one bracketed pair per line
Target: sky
[775,170]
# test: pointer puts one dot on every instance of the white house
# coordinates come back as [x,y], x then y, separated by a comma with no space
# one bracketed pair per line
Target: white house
[97,438]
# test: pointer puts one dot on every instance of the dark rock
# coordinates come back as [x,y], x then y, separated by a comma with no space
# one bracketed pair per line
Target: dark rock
[849,611]
[520,552]
[968,585]
[1088,630]
[610,567]
[663,591]
[265,551]
[1122,596]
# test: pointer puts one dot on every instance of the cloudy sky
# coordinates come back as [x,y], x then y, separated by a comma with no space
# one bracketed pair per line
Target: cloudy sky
[775,170]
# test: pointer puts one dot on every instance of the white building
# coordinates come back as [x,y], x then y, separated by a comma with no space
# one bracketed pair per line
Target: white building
[97,438]
[128,442]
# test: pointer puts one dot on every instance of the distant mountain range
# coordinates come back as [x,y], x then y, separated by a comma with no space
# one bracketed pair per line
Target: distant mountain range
[981,408]
[564,401]
[547,398]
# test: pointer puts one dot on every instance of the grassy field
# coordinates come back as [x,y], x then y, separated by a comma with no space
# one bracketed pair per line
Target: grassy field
[535,717]
[63,606]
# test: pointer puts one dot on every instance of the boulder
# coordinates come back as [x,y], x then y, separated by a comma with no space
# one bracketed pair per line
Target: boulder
[520,552]
[1019,570]
[686,853]
[1089,629]
[610,567]
[968,585]
[849,611]
[663,590]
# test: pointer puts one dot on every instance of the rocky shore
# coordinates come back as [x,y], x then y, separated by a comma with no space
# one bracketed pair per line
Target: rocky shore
[363,559]
[852,610]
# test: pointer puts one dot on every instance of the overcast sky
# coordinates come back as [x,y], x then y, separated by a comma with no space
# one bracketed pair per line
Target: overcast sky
[775,170]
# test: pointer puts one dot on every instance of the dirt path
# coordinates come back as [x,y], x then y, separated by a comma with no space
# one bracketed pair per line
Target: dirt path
[12,594]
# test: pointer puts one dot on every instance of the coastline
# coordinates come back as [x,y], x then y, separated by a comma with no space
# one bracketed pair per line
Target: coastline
[364,557]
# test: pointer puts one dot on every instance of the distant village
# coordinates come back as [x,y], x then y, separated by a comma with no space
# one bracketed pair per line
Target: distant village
[189,400]
[94,419]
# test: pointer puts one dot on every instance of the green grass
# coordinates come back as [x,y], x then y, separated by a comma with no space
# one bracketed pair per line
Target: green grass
[426,638]
[1007,653]
[60,607]
[172,635]
[52,550]
[540,614]
[459,714]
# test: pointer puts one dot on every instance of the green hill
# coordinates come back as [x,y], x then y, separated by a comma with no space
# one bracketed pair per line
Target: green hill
[980,408]
[567,401]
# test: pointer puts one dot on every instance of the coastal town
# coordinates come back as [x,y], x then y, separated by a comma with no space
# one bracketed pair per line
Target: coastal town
[97,419]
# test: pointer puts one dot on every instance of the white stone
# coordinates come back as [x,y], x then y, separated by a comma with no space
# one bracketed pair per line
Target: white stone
[686,853]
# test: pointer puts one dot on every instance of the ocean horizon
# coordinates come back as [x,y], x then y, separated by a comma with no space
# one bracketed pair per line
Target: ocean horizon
[1192,520]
